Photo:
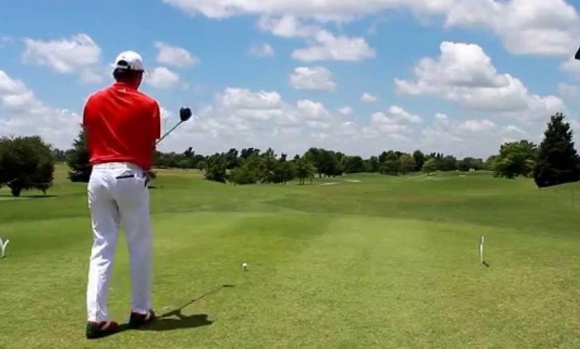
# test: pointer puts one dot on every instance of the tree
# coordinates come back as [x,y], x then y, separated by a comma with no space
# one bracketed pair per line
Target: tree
[406,164]
[429,166]
[26,163]
[557,161]
[304,170]
[216,169]
[515,159]
[470,163]
[419,158]
[390,165]
[77,160]
[354,164]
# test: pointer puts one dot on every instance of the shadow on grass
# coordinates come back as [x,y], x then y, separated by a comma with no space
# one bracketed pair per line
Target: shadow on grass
[39,196]
[174,319]
[180,321]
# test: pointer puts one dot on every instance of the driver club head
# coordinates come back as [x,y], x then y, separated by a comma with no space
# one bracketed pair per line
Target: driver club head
[184,114]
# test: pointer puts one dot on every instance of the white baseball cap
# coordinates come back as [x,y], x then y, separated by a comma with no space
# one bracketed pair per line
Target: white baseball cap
[129,60]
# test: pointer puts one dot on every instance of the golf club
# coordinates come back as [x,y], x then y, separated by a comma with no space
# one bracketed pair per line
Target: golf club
[184,115]
[577,55]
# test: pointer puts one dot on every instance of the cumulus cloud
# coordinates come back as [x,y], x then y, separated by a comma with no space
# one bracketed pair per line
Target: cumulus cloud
[368,98]
[465,75]
[25,115]
[540,27]
[78,55]
[325,46]
[346,110]
[174,55]
[472,137]
[312,78]
[162,78]
[263,50]
[568,91]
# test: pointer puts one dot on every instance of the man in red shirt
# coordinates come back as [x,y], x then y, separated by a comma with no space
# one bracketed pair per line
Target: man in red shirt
[121,126]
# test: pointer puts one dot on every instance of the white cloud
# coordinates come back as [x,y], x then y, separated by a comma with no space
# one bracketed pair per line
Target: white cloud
[175,55]
[472,137]
[162,78]
[263,50]
[568,91]
[477,126]
[346,110]
[542,27]
[78,54]
[396,122]
[243,118]
[287,27]
[571,65]
[464,74]
[312,78]
[25,115]
[368,98]
[325,46]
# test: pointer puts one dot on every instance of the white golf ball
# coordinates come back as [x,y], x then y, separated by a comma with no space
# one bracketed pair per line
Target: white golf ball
[244,265]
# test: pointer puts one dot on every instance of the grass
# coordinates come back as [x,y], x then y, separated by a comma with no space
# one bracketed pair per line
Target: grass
[384,262]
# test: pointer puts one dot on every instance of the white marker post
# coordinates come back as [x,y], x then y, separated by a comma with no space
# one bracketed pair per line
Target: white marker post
[481,255]
[3,245]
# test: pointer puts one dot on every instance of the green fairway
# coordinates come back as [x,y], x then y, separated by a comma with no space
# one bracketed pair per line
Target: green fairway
[371,261]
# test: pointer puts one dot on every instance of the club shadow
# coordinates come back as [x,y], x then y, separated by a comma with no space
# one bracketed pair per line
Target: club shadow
[176,320]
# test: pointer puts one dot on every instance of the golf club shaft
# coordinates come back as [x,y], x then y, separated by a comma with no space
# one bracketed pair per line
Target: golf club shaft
[168,132]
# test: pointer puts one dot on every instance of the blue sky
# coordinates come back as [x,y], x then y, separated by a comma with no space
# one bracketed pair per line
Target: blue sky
[448,76]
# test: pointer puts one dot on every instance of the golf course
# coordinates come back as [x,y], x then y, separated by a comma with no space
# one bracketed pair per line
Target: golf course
[357,261]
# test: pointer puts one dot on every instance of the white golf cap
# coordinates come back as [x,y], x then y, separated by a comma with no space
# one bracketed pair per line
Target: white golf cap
[129,60]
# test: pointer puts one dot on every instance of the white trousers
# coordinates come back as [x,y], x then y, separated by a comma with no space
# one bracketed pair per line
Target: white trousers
[117,192]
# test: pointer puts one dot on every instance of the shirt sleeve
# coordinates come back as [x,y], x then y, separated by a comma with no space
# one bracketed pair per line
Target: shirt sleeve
[156,126]
[86,112]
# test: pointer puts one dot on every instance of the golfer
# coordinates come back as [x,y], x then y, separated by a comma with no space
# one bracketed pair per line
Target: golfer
[121,126]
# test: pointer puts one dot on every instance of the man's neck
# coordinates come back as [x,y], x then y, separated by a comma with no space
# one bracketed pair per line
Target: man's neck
[125,84]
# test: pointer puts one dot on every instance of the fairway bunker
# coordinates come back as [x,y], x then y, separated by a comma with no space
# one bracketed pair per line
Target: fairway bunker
[329,183]
[353,181]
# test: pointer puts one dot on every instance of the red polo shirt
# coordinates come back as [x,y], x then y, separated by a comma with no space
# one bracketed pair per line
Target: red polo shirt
[121,125]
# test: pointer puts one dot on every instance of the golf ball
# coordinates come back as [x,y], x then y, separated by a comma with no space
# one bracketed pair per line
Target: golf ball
[244,265]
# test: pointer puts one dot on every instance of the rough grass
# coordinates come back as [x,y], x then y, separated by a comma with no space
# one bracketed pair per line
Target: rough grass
[384,262]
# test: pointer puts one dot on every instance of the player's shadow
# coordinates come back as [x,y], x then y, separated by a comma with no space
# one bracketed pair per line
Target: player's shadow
[174,319]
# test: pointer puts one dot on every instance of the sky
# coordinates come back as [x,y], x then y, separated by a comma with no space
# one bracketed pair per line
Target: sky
[459,77]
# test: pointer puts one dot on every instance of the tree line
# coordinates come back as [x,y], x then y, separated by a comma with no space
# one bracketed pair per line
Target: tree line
[28,162]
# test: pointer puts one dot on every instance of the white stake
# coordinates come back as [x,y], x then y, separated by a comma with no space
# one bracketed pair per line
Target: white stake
[481,255]
[3,245]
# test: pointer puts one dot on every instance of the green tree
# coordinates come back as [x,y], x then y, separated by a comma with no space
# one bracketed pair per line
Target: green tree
[285,170]
[557,161]
[429,166]
[246,173]
[304,170]
[491,163]
[419,158]
[266,166]
[216,169]
[77,160]
[202,165]
[372,164]
[354,164]
[390,165]
[406,164]
[26,163]
[515,159]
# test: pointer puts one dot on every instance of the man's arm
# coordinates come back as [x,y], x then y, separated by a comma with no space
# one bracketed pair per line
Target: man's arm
[156,122]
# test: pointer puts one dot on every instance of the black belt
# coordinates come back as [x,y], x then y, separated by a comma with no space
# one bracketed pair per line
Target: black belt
[133,176]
